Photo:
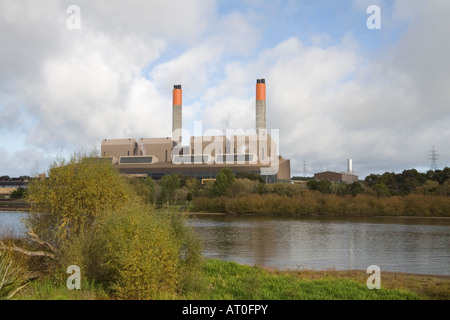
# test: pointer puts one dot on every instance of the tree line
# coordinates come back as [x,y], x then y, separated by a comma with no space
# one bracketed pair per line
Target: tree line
[410,181]
[425,197]
[175,188]
[179,188]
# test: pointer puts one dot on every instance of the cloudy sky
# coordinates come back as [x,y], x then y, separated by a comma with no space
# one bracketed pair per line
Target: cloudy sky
[335,88]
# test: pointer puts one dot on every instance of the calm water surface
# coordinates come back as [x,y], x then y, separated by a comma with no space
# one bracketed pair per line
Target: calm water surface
[11,223]
[416,245]
[394,244]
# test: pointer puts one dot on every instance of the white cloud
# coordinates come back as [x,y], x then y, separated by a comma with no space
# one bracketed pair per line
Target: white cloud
[79,86]
[24,162]
[183,21]
[192,68]
[196,68]
[331,103]
[85,92]
[113,78]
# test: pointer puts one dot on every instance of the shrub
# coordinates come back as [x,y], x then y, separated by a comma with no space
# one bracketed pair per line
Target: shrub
[393,206]
[141,258]
[18,194]
[144,188]
[415,205]
[354,188]
[285,199]
[206,204]
[180,195]
[250,175]
[282,189]
[138,254]
[99,223]
[381,189]
[243,186]
[168,184]
[74,194]
[224,180]
[444,189]
[189,254]
[10,276]
[192,185]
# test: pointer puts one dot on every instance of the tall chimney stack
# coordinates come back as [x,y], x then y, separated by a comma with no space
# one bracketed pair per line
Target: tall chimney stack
[176,114]
[260,105]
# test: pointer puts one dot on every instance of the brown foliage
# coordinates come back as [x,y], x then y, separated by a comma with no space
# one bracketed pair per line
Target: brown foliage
[306,202]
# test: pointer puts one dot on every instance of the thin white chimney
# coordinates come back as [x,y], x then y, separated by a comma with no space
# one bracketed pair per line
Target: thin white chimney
[349,166]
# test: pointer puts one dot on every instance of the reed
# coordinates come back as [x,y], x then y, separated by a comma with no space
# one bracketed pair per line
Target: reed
[309,202]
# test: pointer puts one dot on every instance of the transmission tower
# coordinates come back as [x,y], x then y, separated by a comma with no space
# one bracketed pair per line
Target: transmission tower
[434,156]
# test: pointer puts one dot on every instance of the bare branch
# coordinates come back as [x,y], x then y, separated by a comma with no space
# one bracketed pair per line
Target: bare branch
[27,252]
[15,291]
[35,238]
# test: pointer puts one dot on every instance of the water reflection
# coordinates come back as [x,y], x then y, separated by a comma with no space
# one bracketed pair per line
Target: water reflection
[12,223]
[394,244]
[417,245]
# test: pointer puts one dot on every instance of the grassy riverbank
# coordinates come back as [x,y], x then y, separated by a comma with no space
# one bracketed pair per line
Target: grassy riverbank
[229,280]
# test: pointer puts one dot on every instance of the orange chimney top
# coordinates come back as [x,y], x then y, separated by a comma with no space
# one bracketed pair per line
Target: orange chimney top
[177,94]
[261,89]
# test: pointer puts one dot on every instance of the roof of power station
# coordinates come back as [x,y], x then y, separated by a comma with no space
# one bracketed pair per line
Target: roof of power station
[205,156]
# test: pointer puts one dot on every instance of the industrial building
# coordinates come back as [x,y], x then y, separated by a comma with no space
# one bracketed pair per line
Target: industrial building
[255,152]
[348,176]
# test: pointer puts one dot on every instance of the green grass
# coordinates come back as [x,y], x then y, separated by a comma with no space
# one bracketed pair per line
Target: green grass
[50,289]
[229,280]
[232,281]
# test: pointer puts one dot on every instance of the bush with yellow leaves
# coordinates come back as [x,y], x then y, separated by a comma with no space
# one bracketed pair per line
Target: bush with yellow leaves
[97,221]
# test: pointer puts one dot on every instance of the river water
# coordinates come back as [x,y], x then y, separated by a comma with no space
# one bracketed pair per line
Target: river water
[413,245]
[11,223]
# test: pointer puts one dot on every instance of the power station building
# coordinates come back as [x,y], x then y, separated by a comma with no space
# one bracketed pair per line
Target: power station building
[348,176]
[255,152]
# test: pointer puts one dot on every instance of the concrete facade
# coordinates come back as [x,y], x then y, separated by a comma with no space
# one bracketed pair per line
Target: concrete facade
[211,145]
[130,156]
[118,147]
[206,171]
[160,148]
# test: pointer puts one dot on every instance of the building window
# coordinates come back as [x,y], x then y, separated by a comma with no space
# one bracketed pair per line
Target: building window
[104,153]
[166,155]
[262,153]
[128,152]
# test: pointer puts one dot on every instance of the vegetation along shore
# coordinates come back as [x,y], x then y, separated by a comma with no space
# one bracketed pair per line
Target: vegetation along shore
[407,194]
